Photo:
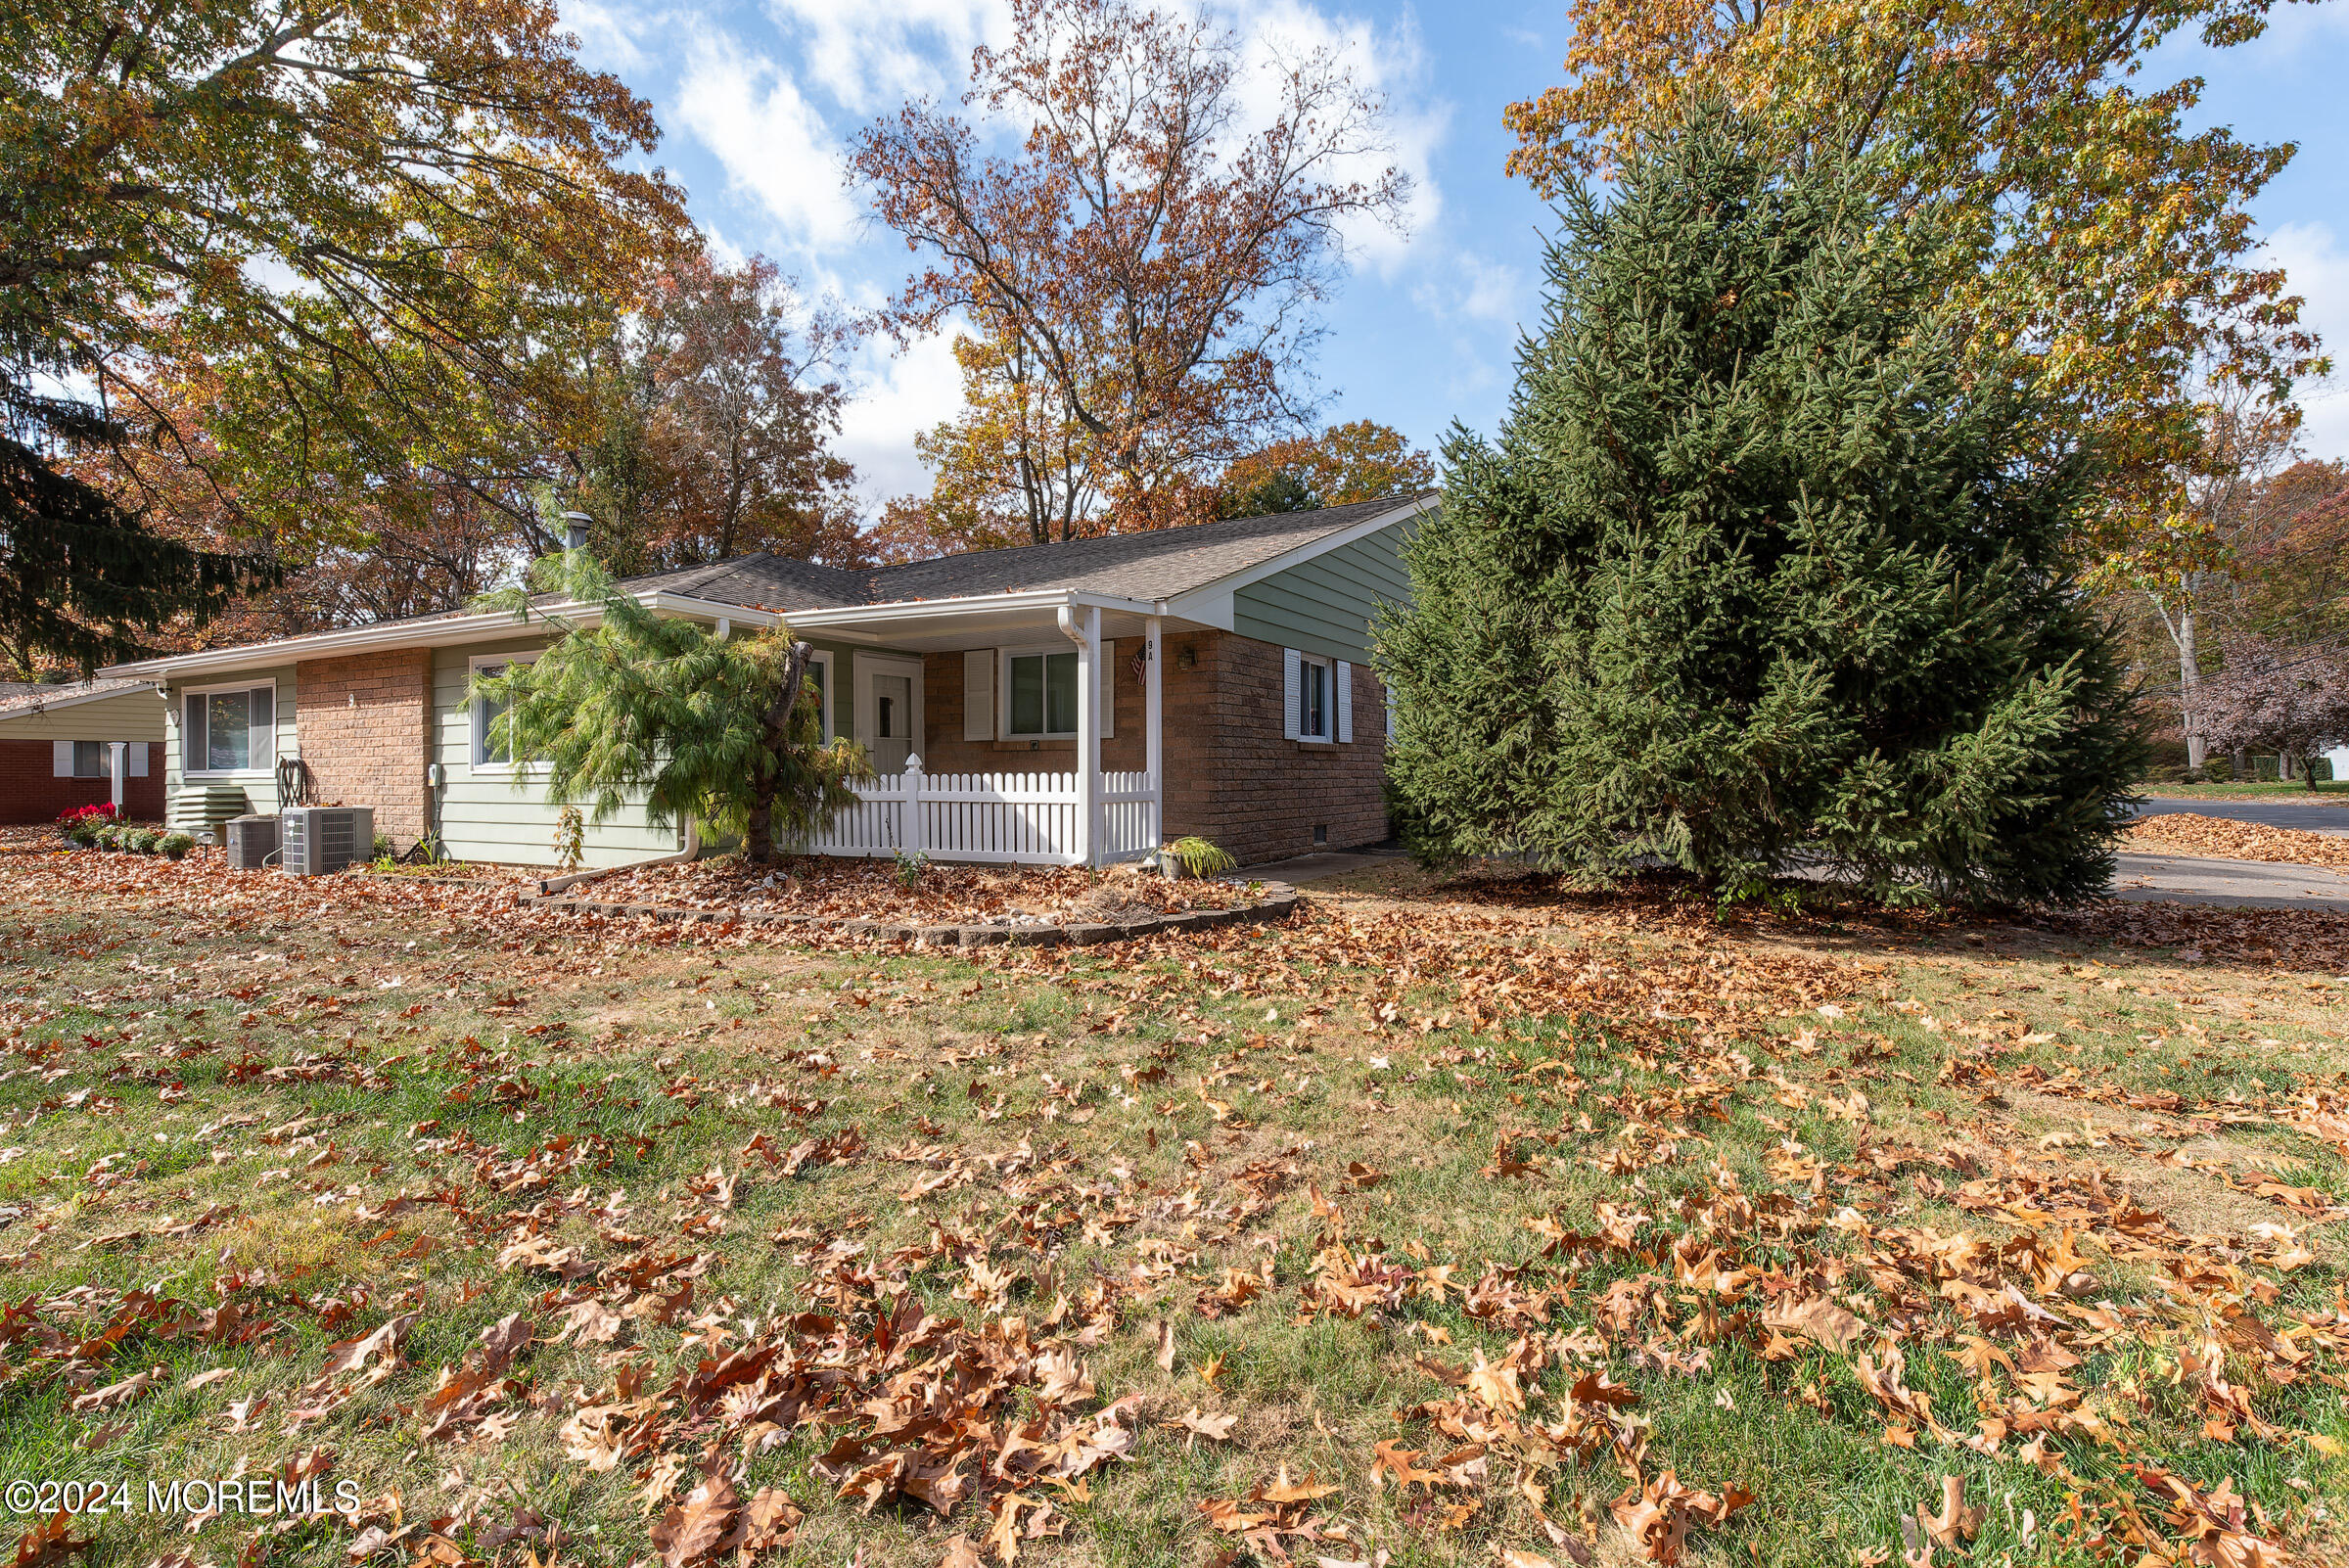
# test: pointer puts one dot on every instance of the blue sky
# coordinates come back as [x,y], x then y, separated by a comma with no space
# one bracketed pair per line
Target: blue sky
[760,97]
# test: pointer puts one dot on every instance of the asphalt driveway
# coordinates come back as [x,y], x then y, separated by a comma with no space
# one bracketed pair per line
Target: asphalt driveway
[2319,816]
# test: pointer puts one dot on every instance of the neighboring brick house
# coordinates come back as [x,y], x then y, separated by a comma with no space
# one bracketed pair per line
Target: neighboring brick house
[1023,681]
[57,748]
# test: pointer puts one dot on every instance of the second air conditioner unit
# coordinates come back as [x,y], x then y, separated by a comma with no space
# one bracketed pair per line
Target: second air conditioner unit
[319,838]
[251,842]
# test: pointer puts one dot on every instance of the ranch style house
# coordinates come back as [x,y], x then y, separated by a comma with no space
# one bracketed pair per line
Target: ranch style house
[1076,703]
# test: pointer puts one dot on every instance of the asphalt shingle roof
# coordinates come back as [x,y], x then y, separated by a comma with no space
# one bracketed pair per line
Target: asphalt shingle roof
[1157,565]
[18,697]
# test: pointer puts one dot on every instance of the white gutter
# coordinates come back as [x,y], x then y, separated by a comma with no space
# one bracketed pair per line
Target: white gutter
[898,610]
[489,625]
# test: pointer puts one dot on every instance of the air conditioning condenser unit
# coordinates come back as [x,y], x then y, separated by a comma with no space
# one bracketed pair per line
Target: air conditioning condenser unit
[319,838]
[251,842]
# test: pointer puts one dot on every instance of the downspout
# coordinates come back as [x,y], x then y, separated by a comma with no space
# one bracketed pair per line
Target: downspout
[1069,628]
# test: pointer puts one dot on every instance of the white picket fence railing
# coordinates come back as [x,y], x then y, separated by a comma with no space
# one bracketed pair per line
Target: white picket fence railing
[1002,819]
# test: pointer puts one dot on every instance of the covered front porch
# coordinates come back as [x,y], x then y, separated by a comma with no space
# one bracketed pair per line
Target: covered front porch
[986,719]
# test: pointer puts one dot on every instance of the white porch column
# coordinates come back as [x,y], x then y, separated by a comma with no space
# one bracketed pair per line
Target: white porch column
[118,760]
[1154,753]
[1086,633]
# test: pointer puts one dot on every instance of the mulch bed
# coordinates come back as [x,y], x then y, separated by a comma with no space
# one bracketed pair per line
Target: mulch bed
[946,905]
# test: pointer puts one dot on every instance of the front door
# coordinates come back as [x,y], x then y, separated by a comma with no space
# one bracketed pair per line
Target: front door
[892,722]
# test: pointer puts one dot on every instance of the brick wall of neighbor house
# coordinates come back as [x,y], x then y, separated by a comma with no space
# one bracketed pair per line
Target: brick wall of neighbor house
[946,752]
[32,792]
[362,724]
[1233,777]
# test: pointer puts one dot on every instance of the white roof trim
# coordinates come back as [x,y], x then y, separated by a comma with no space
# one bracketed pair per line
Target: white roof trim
[915,611]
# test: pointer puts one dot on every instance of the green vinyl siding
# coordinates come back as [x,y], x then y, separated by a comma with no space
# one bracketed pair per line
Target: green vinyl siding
[135,715]
[483,816]
[1324,606]
[259,781]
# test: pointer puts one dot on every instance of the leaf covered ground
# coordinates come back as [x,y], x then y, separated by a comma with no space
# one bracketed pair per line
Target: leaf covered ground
[1446,1223]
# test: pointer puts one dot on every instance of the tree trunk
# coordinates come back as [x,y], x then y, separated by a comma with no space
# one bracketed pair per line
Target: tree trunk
[2189,683]
[760,828]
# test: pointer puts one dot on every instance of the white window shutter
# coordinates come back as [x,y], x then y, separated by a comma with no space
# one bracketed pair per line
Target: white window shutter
[138,758]
[1291,695]
[979,695]
[1109,688]
[60,758]
[1344,701]
[1389,694]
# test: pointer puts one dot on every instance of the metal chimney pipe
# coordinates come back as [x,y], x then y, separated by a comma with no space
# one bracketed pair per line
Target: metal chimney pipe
[575,530]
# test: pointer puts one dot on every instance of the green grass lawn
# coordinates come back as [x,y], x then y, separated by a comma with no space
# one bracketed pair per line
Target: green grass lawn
[1444,1223]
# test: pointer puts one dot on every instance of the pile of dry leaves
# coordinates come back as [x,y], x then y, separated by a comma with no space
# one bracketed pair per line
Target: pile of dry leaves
[937,894]
[2225,838]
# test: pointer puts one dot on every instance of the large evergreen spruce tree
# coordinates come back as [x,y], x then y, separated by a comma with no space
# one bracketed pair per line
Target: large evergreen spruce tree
[1758,568]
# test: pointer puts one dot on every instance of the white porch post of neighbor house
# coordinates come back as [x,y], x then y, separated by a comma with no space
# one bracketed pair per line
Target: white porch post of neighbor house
[1154,756]
[117,754]
[1087,639]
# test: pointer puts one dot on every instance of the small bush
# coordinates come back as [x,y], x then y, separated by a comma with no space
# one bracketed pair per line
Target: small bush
[1201,857]
[109,836]
[910,867]
[143,841]
[84,832]
[175,845]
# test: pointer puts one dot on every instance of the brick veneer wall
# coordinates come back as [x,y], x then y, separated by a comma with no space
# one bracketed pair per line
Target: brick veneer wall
[945,750]
[362,724]
[1233,777]
[32,792]
[1230,774]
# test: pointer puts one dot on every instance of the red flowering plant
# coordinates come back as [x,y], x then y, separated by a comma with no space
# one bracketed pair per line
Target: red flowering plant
[102,811]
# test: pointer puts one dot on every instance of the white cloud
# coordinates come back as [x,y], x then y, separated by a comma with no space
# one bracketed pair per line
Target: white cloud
[871,55]
[1467,287]
[1391,62]
[897,398]
[611,35]
[771,141]
[2317,269]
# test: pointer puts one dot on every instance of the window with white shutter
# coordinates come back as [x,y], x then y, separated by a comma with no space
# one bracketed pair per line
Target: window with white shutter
[979,695]
[1311,695]
[60,759]
[1344,701]
[137,756]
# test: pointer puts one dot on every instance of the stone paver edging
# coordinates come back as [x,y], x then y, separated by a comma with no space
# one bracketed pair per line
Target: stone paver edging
[1278,899]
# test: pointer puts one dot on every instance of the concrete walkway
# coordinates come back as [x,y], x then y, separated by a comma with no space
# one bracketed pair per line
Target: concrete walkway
[1312,867]
[2318,815]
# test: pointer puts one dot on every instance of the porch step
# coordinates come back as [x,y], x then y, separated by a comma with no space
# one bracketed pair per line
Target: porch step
[202,809]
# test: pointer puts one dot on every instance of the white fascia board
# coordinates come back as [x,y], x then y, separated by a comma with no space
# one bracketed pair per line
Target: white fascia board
[1211,603]
[915,611]
[686,608]
[438,634]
